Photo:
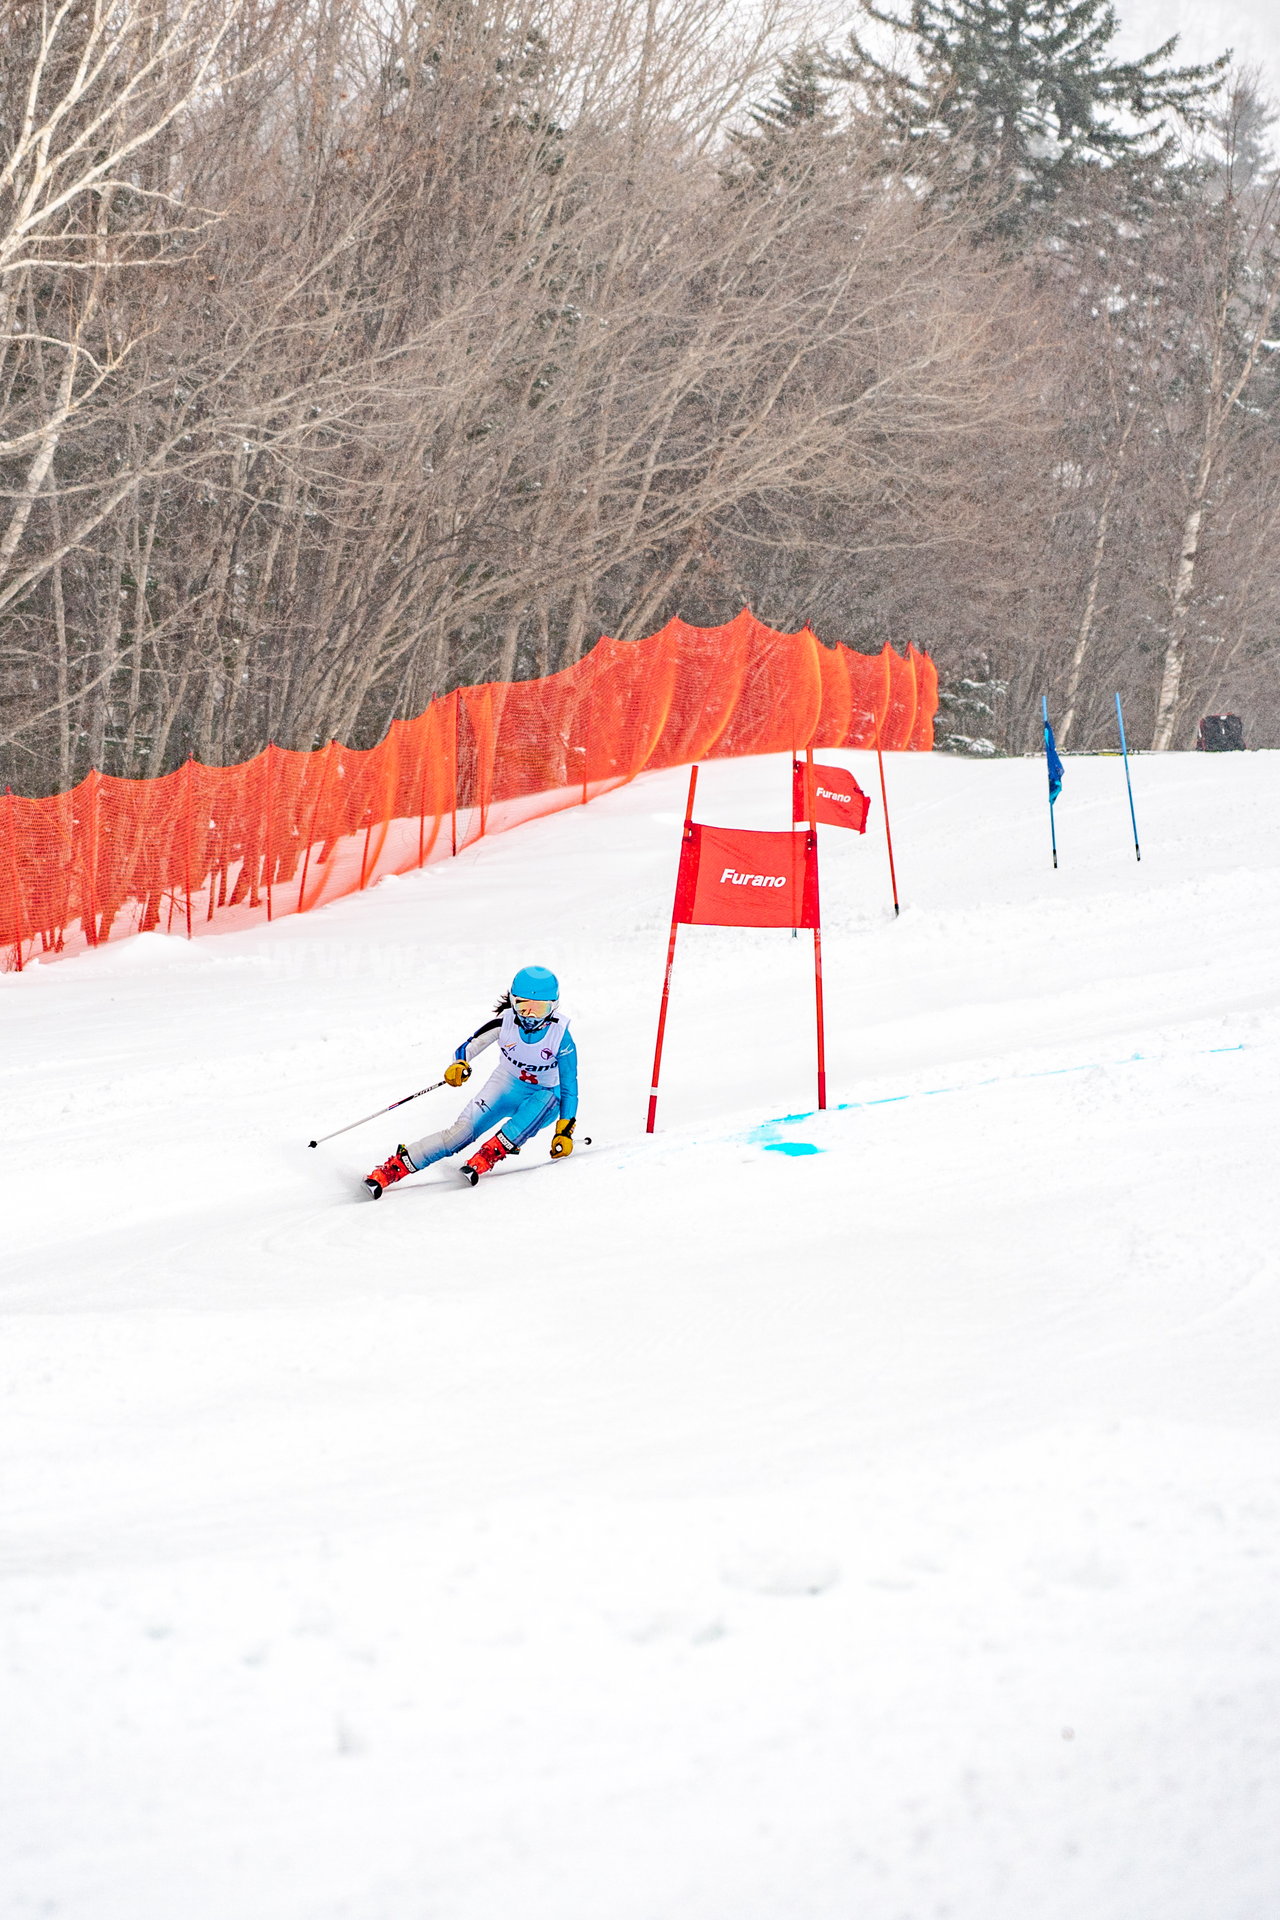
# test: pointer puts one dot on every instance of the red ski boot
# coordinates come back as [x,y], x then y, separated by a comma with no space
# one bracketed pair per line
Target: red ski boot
[398,1167]
[488,1156]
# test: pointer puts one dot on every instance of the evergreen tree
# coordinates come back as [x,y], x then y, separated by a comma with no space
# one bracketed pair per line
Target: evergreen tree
[1025,95]
[788,130]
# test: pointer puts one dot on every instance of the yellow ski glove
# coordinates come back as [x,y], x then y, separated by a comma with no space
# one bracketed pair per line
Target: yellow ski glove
[456,1072]
[563,1142]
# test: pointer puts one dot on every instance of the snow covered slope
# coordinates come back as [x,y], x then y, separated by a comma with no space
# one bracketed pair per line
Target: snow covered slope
[694,1530]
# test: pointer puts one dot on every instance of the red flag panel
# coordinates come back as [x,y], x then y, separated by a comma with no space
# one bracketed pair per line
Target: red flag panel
[735,877]
[838,800]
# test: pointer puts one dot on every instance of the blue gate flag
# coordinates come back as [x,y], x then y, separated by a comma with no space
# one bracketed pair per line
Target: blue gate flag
[1051,756]
[1054,765]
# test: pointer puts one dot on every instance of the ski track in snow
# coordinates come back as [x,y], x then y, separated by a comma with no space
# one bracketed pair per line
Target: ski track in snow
[699,1530]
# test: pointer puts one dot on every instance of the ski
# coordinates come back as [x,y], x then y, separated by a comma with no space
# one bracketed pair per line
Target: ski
[375,1191]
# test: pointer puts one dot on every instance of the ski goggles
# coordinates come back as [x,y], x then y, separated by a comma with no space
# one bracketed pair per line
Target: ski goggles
[533,1010]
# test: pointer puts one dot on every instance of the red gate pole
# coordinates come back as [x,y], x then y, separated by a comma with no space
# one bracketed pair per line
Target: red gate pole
[817,938]
[795,932]
[884,802]
[671,954]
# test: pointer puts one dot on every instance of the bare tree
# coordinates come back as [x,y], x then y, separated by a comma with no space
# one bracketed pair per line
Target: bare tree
[1231,259]
[356,349]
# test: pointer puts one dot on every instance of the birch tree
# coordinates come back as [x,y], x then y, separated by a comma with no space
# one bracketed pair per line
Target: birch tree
[1230,295]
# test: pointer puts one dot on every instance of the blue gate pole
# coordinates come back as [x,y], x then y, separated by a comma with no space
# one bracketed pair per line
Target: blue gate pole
[1127,781]
[1053,831]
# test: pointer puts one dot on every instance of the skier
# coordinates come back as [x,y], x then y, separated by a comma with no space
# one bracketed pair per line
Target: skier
[535,1080]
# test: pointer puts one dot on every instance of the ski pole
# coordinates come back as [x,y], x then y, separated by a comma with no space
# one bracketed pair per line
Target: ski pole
[376,1116]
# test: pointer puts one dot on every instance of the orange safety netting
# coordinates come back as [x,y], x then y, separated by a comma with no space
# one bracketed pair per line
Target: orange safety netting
[285,831]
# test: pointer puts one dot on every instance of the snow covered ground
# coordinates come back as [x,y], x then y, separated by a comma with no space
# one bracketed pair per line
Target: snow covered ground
[694,1530]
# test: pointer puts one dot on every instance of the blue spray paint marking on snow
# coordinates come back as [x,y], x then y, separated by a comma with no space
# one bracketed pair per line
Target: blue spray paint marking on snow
[765,1135]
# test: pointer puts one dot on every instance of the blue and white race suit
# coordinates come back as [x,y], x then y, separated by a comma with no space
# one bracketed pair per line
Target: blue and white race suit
[534,1083]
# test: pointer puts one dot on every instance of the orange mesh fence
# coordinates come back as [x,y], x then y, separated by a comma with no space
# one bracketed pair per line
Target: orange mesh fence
[285,831]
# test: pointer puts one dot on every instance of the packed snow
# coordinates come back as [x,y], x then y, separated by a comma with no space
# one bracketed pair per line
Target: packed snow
[860,1515]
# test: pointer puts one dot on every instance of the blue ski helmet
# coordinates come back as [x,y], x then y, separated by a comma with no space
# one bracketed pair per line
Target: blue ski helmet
[535,983]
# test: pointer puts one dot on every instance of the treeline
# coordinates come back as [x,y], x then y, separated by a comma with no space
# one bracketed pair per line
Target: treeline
[351,350]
